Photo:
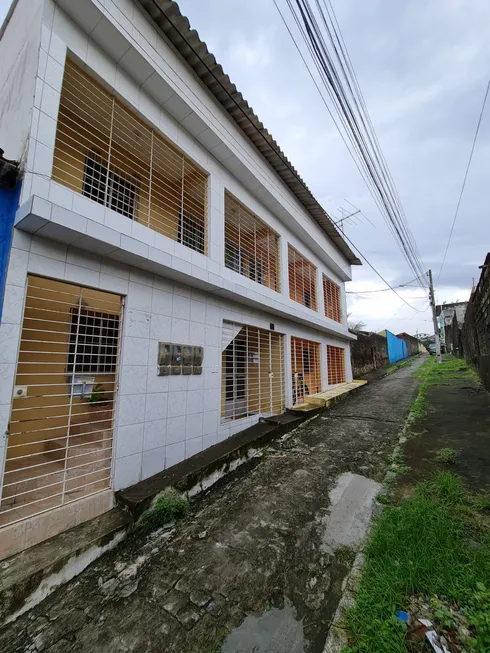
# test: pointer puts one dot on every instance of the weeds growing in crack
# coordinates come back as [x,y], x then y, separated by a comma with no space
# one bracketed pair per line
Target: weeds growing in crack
[218,643]
[345,556]
[446,455]
[396,465]
[170,506]
[397,366]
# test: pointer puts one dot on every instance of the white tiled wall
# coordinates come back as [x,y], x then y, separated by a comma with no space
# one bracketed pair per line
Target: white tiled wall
[159,420]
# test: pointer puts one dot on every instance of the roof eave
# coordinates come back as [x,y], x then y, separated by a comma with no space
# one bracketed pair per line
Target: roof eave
[176,28]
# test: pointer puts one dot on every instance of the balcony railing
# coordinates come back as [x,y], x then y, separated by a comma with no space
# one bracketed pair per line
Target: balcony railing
[108,154]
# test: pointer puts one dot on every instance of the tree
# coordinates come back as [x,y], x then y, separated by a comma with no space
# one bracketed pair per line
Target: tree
[356,326]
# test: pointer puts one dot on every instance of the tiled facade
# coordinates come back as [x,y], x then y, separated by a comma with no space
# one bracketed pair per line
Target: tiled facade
[160,420]
[171,293]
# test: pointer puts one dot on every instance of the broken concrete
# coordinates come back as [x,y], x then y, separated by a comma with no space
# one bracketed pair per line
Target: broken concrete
[27,578]
[265,527]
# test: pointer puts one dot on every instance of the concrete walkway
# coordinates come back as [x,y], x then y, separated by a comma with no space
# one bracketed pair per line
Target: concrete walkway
[259,564]
[458,418]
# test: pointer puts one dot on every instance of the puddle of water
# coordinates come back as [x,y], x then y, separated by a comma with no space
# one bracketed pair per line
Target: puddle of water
[281,630]
[351,507]
[276,631]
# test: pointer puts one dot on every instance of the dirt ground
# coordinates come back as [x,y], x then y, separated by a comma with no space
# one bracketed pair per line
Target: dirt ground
[250,545]
[458,418]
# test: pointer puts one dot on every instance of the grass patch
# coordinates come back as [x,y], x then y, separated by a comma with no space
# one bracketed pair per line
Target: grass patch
[170,506]
[396,465]
[405,363]
[397,366]
[383,498]
[391,369]
[421,548]
[423,374]
[433,373]
[446,455]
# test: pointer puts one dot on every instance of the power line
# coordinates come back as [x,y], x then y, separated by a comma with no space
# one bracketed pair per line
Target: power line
[363,292]
[345,94]
[423,310]
[379,274]
[359,165]
[464,180]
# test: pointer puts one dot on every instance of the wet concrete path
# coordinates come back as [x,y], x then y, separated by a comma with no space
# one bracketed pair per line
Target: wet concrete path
[458,418]
[260,559]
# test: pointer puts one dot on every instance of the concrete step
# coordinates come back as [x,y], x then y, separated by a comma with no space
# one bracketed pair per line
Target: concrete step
[330,397]
[302,409]
[202,470]
[28,577]
[285,419]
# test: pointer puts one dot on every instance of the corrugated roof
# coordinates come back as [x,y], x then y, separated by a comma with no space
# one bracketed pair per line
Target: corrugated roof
[177,29]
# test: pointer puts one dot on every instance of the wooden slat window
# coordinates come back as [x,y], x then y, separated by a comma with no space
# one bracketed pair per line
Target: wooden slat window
[59,448]
[305,366]
[331,296]
[302,279]
[107,153]
[335,364]
[251,247]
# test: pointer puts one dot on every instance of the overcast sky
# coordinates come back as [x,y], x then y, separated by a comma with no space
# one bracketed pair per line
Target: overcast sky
[423,67]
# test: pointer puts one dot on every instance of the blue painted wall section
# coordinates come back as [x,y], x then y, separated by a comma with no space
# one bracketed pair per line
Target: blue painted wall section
[9,201]
[397,348]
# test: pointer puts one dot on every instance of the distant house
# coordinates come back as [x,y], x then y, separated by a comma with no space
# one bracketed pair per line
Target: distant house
[397,347]
[450,319]
[414,346]
[447,310]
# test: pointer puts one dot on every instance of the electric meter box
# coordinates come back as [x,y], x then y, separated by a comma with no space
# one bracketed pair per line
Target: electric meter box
[175,359]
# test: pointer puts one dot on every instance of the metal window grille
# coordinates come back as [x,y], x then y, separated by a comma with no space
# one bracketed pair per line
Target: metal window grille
[331,296]
[305,366]
[252,372]
[93,342]
[251,247]
[105,152]
[302,279]
[335,364]
[59,446]
[105,186]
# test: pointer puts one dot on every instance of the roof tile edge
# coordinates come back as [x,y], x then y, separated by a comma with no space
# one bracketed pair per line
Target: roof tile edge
[176,27]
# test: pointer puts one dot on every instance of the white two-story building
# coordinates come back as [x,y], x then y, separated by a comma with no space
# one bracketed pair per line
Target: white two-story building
[171,278]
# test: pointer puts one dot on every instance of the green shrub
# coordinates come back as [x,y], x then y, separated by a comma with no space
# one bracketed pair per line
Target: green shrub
[446,455]
[170,506]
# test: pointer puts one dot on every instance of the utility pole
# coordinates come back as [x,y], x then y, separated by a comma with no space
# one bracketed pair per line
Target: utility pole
[434,319]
